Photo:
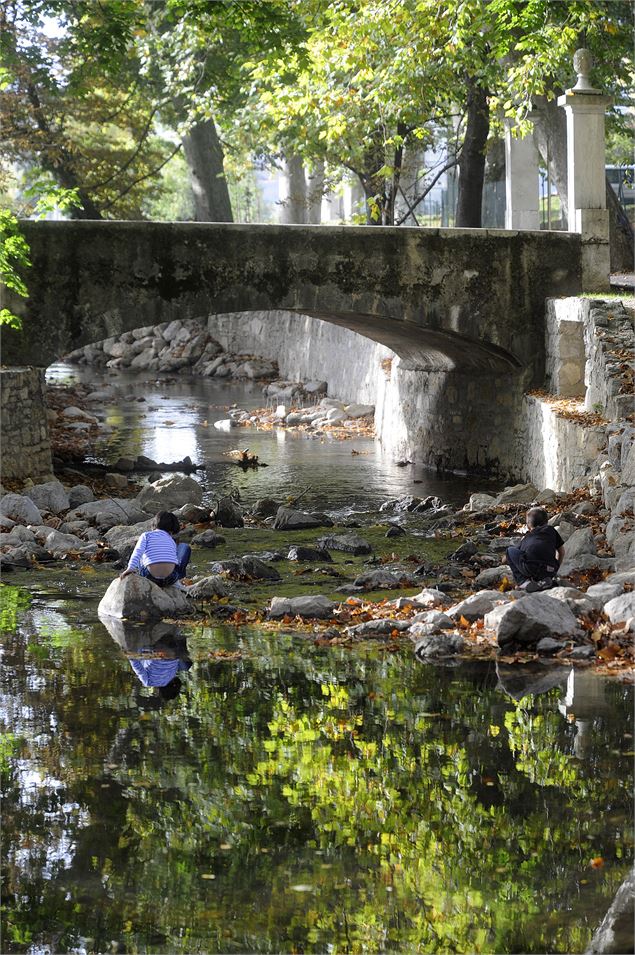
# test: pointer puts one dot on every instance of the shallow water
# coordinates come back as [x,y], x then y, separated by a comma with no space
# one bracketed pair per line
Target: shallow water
[291,797]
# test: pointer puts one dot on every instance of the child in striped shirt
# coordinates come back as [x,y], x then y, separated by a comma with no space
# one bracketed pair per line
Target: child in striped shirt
[157,556]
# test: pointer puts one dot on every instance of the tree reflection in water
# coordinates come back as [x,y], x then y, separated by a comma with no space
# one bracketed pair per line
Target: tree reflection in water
[295,798]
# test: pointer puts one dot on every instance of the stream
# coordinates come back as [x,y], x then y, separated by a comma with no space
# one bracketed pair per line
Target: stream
[293,797]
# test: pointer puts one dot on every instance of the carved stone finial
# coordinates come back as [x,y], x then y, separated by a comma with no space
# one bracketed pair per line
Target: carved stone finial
[582,63]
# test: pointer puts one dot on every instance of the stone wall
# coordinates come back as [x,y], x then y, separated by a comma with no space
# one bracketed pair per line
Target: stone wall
[26,449]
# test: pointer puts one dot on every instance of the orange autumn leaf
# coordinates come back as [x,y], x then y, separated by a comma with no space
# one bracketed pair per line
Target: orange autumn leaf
[463,622]
[597,862]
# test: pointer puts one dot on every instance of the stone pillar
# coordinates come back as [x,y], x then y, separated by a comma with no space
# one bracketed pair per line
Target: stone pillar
[586,177]
[26,448]
[521,181]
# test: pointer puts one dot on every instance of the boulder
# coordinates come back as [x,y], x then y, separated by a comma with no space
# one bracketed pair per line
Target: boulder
[430,597]
[584,562]
[377,628]
[358,411]
[192,514]
[548,646]
[117,481]
[434,619]
[439,645]
[20,509]
[169,493]
[519,680]
[288,519]
[257,569]
[518,494]
[136,598]
[464,552]
[395,530]
[626,502]
[316,606]
[492,576]
[347,543]
[228,513]
[381,580]
[265,507]
[480,502]
[208,587]
[50,496]
[477,605]
[59,545]
[6,523]
[575,599]
[19,534]
[126,535]
[600,594]
[579,543]
[622,608]
[108,513]
[312,554]
[207,539]
[529,619]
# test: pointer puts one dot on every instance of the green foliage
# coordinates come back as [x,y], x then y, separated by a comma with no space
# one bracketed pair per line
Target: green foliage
[14,256]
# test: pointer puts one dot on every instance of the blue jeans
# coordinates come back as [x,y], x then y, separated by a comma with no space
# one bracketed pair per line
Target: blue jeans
[183,554]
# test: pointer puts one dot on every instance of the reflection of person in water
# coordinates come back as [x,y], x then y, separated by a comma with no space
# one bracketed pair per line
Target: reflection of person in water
[158,665]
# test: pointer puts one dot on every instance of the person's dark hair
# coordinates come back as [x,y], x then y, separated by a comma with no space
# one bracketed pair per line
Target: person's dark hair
[171,690]
[167,521]
[536,517]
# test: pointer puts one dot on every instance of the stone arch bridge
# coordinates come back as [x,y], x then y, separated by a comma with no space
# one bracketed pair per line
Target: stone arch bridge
[463,310]
[439,298]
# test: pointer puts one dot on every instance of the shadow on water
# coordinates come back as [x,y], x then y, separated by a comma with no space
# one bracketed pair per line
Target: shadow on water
[299,798]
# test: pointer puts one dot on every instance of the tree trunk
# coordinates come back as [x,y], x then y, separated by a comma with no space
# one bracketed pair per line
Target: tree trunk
[621,239]
[493,210]
[472,160]
[294,208]
[204,156]
[315,192]
[550,137]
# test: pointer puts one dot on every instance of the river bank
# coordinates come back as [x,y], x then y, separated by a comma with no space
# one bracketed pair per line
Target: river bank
[440,562]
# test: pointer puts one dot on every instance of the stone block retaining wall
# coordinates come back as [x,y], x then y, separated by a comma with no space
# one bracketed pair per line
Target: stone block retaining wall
[26,449]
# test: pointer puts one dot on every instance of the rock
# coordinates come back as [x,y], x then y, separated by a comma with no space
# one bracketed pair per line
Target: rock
[207,539]
[395,530]
[430,597]
[480,502]
[492,576]
[26,554]
[316,606]
[347,543]
[79,414]
[208,587]
[20,509]
[439,645]
[309,554]
[626,502]
[477,605]
[548,646]
[50,496]
[136,598]
[170,493]
[529,619]
[435,619]
[576,600]
[315,387]
[265,507]
[192,514]
[324,519]
[122,536]
[358,411]
[546,497]
[622,608]
[257,569]
[519,680]
[288,519]
[381,580]
[80,494]
[584,562]
[600,594]
[228,513]
[584,508]
[383,628]
[580,542]
[582,653]
[108,513]
[518,494]
[622,577]
[6,523]
[59,545]
[118,481]
[464,552]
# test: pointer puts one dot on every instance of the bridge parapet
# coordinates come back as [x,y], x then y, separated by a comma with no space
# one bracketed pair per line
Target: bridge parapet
[441,297]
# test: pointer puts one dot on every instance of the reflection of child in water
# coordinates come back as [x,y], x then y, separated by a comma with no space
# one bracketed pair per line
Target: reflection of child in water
[169,657]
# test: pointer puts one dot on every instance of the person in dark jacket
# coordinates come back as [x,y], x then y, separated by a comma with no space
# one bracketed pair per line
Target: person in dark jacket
[535,562]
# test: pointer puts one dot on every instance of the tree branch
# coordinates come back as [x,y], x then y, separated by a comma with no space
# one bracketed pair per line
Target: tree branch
[448,165]
[152,172]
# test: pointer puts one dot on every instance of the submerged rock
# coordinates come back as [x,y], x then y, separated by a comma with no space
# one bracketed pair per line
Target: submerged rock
[439,645]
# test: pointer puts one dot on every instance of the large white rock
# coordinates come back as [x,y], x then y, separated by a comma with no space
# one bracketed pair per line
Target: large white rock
[580,542]
[138,599]
[109,512]
[20,509]
[518,494]
[480,502]
[208,587]
[288,519]
[622,608]
[600,594]
[310,606]
[50,496]
[170,493]
[359,411]
[430,597]
[123,535]
[530,618]
[59,545]
[477,605]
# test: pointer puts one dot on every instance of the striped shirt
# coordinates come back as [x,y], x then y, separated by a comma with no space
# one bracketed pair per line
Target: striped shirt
[153,547]
[158,672]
